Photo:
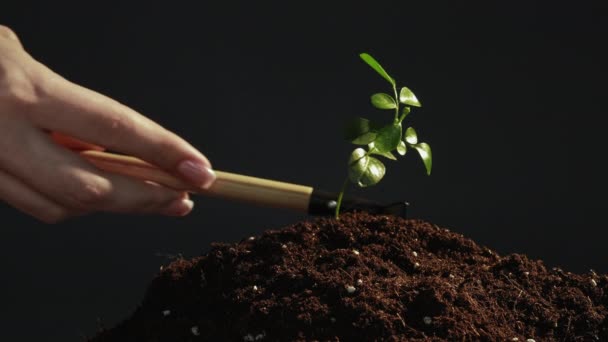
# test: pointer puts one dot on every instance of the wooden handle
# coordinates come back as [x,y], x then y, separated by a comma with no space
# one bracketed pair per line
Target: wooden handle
[230,186]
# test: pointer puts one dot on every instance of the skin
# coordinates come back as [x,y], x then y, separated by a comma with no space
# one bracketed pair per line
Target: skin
[44,118]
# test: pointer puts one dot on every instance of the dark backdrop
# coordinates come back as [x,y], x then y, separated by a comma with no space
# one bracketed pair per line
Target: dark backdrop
[513,96]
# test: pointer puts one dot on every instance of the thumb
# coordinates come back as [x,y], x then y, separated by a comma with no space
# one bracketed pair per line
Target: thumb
[7,33]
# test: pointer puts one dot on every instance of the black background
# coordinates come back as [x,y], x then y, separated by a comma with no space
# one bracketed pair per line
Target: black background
[513,96]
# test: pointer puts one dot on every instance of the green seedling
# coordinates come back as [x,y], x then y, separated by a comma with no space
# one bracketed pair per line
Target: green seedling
[364,169]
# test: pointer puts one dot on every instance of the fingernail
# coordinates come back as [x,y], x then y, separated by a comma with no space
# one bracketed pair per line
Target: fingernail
[197,173]
[179,207]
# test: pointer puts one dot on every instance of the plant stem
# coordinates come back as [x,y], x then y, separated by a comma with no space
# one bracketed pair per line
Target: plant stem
[401,118]
[396,103]
[340,196]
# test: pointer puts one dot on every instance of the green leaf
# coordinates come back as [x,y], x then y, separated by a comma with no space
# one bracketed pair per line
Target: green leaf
[359,131]
[383,101]
[366,170]
[410,135]
[401,148]
[387,155]
[376,66]
[425,153]
[388,137]
[407,97]
[405,111]
[364,139]
[356,155]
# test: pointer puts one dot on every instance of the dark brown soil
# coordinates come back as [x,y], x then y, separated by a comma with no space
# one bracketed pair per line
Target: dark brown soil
[408,280]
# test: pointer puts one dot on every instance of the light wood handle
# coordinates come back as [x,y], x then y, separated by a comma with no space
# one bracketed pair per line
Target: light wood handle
[230,186]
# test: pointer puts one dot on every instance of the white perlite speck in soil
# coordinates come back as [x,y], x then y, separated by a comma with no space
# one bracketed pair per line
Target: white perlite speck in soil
[195,331]
[427,320]
[414,253]
[355,252]
[359,282]
[350,289]
[166,313]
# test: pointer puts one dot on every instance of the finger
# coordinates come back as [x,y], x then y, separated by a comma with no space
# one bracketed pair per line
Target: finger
[122,194]
[174,203]
[74,183]
[9,34]
[90,116]
[73,143]
[17,194]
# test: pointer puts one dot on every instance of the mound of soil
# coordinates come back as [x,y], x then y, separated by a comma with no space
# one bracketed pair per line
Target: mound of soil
[365,278]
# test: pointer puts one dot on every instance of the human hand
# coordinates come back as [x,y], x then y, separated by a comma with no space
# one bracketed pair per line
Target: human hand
[43,116]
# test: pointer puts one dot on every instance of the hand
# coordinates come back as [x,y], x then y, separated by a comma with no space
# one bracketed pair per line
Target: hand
[43,116]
